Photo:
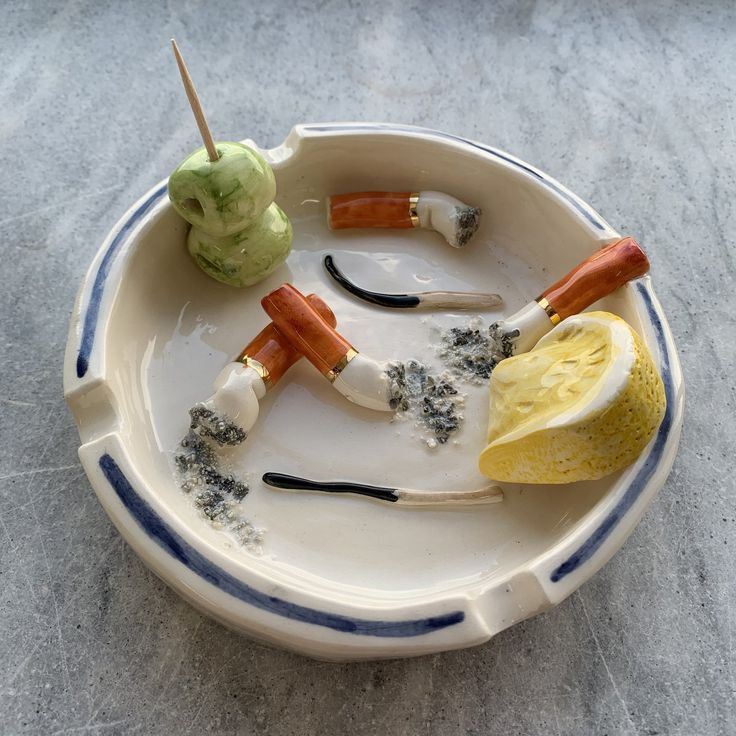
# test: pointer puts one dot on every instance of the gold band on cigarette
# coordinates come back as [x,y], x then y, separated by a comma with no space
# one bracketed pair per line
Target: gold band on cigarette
[332,374]
[413,214]
[554,318]
[257,366]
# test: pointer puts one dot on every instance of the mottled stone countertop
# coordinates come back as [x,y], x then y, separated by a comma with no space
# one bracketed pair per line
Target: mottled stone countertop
[630,105]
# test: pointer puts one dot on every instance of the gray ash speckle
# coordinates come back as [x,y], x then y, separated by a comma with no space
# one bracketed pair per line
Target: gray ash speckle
[213,503]
[432,400]
[247,534]
[502,345]
[209,423]
[467,220]
[194,452]
[197,461]
[472,352]
[466,350]
[216,493]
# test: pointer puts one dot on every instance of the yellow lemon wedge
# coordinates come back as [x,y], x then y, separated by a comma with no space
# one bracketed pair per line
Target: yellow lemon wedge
[583,403]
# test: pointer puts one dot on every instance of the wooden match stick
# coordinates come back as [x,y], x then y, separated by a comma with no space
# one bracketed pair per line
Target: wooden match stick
[400,496]
[204,129]
[414,300]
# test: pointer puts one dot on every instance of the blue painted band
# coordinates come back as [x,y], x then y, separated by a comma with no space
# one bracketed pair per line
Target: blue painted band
[587,213]
[95,297]
[166,538]
[591,545]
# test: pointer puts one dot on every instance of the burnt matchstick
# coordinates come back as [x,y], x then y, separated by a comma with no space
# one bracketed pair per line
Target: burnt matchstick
[415,300]
[400,496]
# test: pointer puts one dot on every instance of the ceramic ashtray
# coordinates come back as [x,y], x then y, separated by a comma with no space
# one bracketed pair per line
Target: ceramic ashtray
[345,576]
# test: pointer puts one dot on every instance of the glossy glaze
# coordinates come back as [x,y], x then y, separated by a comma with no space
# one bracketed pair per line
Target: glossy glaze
[200,326]
[152,330]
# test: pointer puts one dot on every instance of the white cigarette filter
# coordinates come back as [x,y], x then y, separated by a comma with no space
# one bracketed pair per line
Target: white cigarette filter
[230,413]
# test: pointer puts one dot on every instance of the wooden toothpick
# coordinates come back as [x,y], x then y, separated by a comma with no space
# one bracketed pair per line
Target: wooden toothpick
[204,129]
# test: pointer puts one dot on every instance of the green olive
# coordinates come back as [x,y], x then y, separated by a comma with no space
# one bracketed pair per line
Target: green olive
[248,256]
[224,196]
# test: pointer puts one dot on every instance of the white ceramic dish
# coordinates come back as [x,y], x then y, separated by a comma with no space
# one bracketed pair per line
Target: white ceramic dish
[346,577]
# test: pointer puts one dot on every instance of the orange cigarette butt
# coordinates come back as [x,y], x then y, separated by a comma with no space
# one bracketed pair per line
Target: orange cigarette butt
[370,209]
[596,277]
[305,328]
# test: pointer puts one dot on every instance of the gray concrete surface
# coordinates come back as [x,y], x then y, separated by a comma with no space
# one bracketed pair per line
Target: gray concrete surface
[629,104]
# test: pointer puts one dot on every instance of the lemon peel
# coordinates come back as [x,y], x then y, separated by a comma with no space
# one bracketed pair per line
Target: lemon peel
[583,403]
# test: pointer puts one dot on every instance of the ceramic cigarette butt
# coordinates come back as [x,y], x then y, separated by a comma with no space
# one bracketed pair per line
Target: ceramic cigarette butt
[271,354]
[359,378]
[230,413]
[450,217]
[307,330]
[592,279]
[596,277]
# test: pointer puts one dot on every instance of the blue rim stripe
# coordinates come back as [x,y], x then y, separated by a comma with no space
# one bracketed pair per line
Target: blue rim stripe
[591,545]
[171,542]
[95,298]
[582,209]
